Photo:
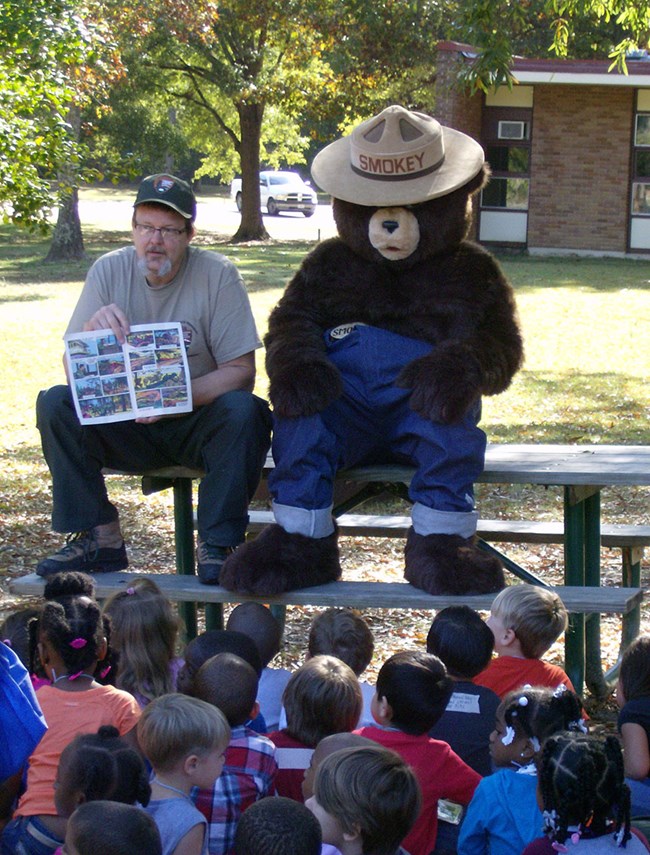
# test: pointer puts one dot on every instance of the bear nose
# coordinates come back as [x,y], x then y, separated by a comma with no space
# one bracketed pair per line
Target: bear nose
[390,226]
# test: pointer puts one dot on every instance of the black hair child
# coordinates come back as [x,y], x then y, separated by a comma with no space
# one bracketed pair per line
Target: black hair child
[70,641]
[110,828]
[504,816]
[584,795]
[100,766]
[462,640]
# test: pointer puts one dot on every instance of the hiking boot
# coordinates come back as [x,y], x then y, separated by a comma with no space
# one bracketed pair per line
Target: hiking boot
[82,552]
[209,559]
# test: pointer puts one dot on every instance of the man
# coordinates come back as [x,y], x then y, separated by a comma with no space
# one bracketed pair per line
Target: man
[161,277]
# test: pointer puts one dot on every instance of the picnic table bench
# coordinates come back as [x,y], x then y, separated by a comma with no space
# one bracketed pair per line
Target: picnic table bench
[580,470]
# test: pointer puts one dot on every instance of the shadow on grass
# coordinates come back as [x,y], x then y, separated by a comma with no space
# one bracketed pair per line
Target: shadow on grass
[598,275]
[572,408]
[22,257]
[24,298]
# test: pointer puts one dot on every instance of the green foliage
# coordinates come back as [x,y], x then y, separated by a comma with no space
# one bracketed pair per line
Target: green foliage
[309,67]
[575,28]
[138,131]
[37,40]
[47,45]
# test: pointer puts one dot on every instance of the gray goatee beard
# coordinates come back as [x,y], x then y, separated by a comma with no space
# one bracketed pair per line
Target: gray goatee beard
[164,269]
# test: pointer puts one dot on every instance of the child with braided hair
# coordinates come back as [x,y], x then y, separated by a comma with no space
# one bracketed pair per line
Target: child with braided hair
[585,799]
[97,766]
[503,815]
[70,641]
[633,699]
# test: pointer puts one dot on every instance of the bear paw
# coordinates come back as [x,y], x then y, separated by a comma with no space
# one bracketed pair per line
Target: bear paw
[277,561]
[449,564]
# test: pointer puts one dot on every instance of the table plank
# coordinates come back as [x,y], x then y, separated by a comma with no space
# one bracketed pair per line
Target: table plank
[376,595]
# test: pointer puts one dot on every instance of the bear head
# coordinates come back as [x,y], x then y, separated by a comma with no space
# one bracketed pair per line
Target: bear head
[405,235]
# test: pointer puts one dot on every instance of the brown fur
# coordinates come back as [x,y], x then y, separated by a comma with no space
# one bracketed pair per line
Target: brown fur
[449,292]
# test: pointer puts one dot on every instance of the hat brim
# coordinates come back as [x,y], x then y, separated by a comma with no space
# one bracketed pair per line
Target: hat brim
[156,200]
[332,171]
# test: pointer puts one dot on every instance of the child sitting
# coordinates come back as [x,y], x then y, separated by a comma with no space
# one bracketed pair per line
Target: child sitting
[14,632]
[257,622]
[209,644]
[366,800]
[504,816]
[325,747]
[462,641]
[144,630]
[22,726]
[633,698]
[412,692]
[585,800]
[98,766]
[345,634]
[184,739]
[278,826]
[71,641]
[321,697]
[525,621]
[249,771]
[111,828]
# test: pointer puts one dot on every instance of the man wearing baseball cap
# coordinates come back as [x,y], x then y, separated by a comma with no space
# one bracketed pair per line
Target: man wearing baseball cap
[161,277]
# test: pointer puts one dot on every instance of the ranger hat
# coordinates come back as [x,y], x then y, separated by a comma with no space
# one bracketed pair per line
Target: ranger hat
[168,190]
[397,158]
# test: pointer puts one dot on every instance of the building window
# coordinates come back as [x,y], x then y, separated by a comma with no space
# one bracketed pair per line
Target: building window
[641,162]
[639,235]
[506,137]
[642,132]
[506,193]
[640,199]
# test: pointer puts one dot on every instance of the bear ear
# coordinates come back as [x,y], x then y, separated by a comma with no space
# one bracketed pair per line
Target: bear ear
[479,181]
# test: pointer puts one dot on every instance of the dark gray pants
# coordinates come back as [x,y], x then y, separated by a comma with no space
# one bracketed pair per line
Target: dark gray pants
[228,438]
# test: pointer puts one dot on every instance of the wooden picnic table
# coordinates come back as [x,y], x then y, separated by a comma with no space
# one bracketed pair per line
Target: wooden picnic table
[582,471]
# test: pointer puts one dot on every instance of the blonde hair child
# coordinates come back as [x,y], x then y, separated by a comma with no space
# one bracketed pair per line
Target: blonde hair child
[184,739]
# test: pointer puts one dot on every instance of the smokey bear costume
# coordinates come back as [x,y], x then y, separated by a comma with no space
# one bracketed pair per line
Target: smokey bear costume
[379,351]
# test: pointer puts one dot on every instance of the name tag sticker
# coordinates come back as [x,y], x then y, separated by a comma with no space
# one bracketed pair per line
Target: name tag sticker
[463,703]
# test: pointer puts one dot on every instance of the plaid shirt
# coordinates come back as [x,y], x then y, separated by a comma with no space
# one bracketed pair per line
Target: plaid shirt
[248,775]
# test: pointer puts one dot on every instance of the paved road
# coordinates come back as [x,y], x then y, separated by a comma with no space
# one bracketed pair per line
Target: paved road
[216,215]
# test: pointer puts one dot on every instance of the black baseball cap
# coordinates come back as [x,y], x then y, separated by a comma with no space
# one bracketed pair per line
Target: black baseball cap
[168,190]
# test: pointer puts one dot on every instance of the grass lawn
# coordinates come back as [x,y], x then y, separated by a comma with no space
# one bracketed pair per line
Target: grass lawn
[586,324]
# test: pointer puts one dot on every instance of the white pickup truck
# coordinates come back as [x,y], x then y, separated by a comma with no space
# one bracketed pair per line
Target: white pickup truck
[280,191]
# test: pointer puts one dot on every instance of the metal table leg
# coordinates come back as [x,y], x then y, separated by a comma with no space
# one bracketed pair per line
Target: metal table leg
[184,541]
[574,572]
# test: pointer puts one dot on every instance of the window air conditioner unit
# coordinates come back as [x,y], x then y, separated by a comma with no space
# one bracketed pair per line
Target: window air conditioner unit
[513,130]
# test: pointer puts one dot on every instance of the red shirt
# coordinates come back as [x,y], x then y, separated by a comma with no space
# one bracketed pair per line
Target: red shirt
[441,775]
[293,758]
[506,673]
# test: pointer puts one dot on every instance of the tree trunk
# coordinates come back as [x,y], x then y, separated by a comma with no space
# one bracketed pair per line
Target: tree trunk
[67,240]
[251,226]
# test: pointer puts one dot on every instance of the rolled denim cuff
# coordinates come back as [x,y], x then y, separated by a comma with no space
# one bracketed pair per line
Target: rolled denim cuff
[318,523]
[430,521]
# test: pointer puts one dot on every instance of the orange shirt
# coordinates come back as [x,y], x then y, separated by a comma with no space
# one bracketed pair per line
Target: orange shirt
[68,714]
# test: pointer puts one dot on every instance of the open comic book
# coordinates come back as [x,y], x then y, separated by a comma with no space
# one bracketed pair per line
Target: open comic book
[148,375]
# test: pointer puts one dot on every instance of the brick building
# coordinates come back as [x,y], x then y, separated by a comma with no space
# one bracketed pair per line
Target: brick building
[569,149]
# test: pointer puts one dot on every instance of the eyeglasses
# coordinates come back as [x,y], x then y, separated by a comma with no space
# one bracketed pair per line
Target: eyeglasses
[166,232]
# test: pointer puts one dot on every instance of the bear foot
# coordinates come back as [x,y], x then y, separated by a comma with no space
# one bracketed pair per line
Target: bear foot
[450,564]
[277,561]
